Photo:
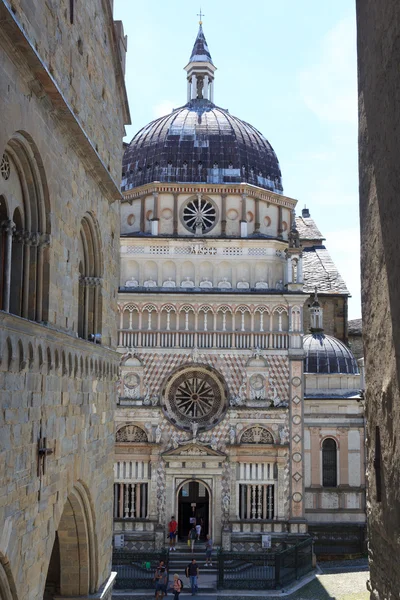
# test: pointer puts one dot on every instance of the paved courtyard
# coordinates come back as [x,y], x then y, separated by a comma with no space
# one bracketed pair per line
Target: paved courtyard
[338,580]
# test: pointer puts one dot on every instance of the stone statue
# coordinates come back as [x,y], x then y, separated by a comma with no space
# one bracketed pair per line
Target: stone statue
[146,399]
[284,435]
[214,442]
[158,434]
[149,430]
[175,440]
[225,505]
[232,435]
[194,426]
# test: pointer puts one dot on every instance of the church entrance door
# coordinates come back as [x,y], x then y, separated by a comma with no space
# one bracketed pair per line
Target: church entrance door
[193,508]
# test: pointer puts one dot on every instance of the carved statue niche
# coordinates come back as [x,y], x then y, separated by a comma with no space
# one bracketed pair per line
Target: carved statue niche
[257,380]
[131,378]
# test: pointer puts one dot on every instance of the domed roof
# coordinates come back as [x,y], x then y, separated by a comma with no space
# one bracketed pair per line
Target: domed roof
[326,354]
[200,143]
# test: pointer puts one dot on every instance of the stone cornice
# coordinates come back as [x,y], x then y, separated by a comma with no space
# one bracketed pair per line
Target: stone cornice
[43,84]
[251,191]
[50,334]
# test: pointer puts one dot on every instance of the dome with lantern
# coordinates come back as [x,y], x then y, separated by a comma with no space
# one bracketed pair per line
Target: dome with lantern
[201,142]
[325,354]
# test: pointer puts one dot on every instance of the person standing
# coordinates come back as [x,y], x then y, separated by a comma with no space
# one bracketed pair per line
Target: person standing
[198,531]
[177,586]
[192,571]
[161,581]
[209,547]
[192,538]
[172,531]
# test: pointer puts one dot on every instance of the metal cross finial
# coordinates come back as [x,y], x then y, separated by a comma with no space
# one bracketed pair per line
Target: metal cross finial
[201,15]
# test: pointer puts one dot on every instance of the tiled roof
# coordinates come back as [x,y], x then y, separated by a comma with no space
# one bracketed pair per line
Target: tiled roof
[200,52]
[320,271]
[200,143]
[308,229]
[355,327]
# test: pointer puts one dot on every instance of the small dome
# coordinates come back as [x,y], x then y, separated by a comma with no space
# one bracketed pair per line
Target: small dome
[200,143]
[326,354]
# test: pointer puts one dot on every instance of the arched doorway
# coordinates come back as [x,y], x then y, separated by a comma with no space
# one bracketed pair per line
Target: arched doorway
[72,567]
[193,508]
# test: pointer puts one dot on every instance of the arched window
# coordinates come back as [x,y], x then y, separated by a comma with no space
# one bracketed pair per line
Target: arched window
[90,269]
[329,463]
[24,231]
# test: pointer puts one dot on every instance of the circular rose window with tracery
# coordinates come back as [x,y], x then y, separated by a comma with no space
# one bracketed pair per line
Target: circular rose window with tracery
[199,213]
[195,395]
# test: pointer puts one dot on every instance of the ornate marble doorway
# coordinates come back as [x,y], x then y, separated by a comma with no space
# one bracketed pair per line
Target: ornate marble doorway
[193,508]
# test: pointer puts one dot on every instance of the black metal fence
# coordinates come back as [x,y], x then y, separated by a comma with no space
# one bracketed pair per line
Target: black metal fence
[339,540]
[264,570]
[135,570]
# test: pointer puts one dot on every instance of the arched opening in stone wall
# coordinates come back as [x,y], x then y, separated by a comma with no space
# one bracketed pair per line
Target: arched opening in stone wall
[24,230]
[90,273]
[193,508]
[72,567]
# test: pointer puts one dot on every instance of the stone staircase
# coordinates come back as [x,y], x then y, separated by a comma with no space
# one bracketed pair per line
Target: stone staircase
[179,560]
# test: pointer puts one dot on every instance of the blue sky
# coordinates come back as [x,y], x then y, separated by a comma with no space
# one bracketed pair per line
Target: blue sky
[288,68]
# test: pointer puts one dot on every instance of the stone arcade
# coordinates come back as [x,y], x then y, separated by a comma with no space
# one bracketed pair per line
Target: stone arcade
[216,277]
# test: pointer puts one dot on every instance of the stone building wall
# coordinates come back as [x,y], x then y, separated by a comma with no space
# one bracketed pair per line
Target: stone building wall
[379,99]
[57,391]
[81,51]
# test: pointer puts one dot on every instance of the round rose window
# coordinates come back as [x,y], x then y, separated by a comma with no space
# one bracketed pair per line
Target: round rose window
[194,395]
[199,214]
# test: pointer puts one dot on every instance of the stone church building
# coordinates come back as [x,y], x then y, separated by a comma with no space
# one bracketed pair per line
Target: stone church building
[227,413]
[63,108]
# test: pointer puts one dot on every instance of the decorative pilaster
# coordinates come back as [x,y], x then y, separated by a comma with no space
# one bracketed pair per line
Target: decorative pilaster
[243,221]
[223,215]
[155,219]
[296,415]
[175,215]
[257,216]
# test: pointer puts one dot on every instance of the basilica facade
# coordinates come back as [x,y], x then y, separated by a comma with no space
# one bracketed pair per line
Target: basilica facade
[216,420]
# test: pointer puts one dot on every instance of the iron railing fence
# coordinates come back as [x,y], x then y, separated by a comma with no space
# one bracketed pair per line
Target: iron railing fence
[135,570]
[270,569]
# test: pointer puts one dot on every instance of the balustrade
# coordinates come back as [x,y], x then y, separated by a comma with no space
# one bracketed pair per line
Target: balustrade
[256,501]
[130,500]
[202,339]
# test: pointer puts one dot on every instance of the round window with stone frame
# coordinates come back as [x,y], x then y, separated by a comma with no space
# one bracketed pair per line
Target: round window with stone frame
[199,214]
[195,395]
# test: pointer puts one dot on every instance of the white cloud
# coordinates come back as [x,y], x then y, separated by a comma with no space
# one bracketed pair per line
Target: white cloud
[164,108]
[329,87]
